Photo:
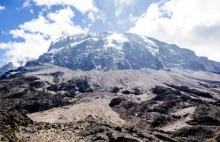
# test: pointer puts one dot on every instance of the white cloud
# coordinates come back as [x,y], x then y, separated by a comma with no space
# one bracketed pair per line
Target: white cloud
[126,2]
[81,5]
[27,3]
[133,18]
[91,16]
[118,12]
[193,24]
[31,11]
[120,22]
[121,5]
[101,16]
[37,35]
[2,8]
[31,48]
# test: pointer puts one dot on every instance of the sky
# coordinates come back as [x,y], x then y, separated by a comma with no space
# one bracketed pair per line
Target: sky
[27,27]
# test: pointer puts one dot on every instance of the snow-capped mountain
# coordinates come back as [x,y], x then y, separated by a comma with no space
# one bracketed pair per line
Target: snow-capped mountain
[118,51]
[6,68]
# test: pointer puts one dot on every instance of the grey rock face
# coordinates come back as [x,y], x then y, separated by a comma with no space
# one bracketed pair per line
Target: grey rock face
[117,51]
[6,68]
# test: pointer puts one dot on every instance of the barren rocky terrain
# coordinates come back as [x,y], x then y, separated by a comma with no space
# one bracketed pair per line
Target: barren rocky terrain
[44,103]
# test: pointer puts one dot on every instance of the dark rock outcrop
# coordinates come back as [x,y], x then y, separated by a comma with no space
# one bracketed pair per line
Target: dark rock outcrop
[33,63]
[192,91]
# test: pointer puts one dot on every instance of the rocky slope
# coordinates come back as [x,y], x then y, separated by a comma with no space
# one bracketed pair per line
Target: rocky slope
[117,51]
[112,87]
[6,68]
[50,103]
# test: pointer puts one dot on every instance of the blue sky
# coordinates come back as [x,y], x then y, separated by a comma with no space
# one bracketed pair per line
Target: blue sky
[27,27]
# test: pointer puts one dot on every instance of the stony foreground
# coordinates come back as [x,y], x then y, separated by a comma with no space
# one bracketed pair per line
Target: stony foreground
[49,103]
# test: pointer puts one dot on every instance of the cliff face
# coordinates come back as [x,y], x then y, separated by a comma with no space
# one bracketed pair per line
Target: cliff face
[118,51]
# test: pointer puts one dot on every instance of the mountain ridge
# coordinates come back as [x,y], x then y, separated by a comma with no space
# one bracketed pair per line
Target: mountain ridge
[6,68]
[45,102]
[118,51]
[111,87]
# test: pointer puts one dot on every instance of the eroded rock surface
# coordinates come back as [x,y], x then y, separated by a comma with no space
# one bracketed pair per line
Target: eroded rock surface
[49,103]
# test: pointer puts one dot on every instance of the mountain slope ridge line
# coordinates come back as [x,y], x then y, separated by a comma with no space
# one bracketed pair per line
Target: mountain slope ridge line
[119,51]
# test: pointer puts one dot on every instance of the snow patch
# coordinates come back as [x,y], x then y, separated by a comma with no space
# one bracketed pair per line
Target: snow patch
[57,40]
[71,45]
[152,47]
[120,38]
[53,51]
[76,43]
[115,40]
[153,50]
[148,41]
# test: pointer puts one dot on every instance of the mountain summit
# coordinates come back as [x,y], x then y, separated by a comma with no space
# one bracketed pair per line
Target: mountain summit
[174,98]
[6,68]
[119,51]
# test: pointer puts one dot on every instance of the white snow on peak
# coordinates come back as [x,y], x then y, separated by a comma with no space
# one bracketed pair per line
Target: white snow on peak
[154,51]
[115,40]
[152,47]
[57,40]
[117,37]
[71,45]
[56,50]
[148,41]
